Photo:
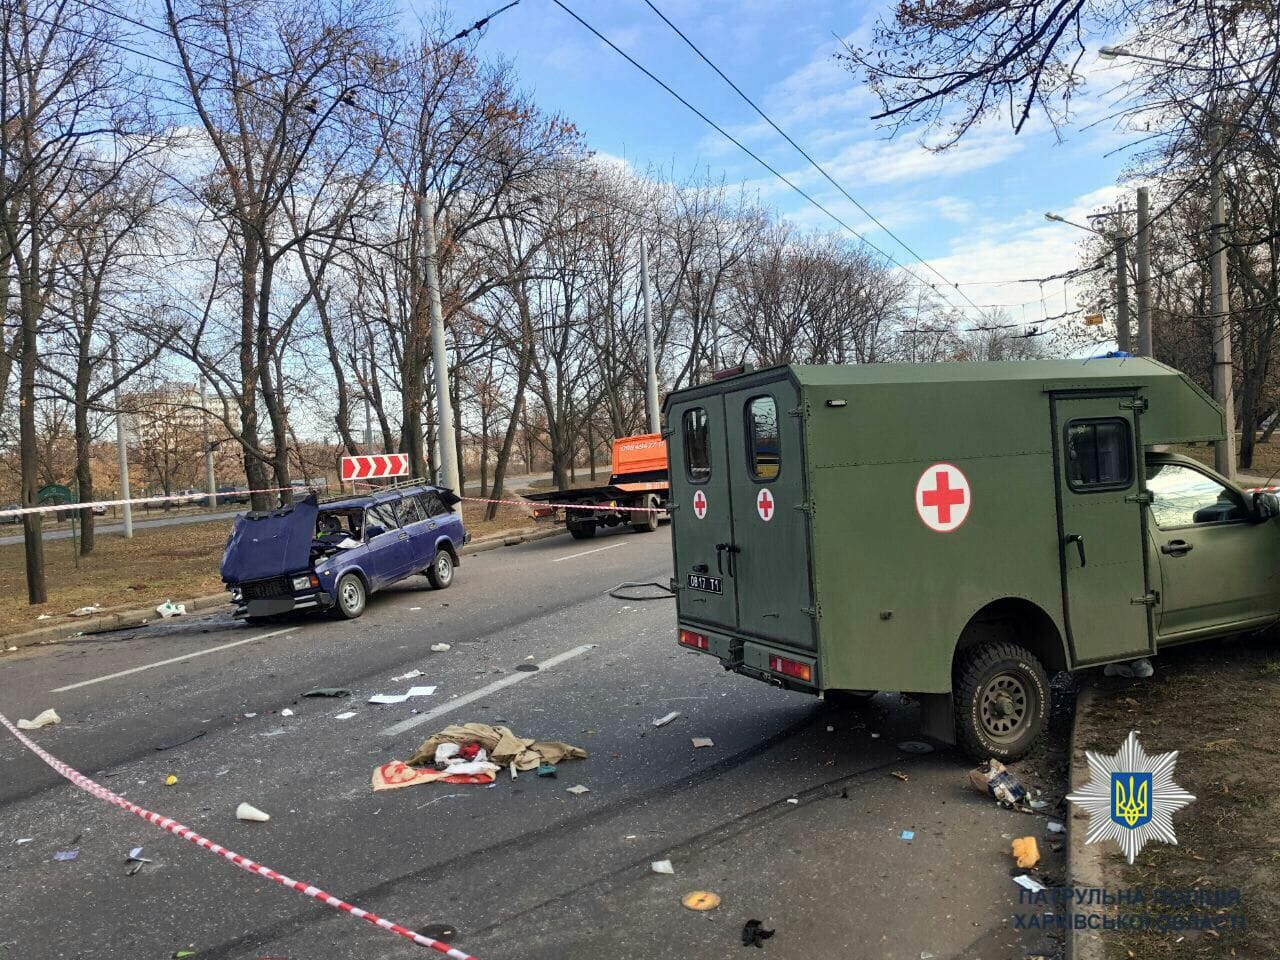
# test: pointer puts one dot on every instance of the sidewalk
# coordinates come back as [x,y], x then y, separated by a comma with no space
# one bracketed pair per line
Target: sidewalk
[118,618]
[1215,703]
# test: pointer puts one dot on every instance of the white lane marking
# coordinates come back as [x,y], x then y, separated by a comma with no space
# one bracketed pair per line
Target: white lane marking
[165,663]
[575,556]
[484,691]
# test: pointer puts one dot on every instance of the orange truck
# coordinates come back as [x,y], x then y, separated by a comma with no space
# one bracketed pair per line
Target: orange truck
[638,479]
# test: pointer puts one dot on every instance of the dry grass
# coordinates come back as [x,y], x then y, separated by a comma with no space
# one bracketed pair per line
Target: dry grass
[1266,457]
[158,564]
[1215,703]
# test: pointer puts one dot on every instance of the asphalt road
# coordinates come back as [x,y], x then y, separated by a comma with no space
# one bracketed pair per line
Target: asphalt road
[792,817]
[141,522]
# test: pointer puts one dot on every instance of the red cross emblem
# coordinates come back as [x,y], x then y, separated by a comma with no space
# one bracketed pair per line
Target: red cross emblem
[699,504]
[942,497]
[764,504]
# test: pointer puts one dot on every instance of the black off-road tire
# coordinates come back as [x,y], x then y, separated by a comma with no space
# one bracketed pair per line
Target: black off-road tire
[646,522]
[352,596]
[1001,701]
[440,573]
[582,529]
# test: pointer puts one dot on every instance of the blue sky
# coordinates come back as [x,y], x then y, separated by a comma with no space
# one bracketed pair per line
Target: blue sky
[976,212]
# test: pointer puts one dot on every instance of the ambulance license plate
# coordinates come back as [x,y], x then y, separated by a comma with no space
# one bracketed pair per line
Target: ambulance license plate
[707,584]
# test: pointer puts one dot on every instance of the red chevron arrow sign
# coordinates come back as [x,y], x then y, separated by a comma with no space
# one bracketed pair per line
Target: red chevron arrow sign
[375,465]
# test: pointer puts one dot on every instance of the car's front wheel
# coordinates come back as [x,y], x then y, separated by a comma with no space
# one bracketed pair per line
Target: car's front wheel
[352,596]
[440,573]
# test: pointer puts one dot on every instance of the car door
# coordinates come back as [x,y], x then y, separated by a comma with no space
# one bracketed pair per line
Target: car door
[1102,545]
[702,521]
[389,554]
[1218,566]
[416,525]
[770,524]
[442,521]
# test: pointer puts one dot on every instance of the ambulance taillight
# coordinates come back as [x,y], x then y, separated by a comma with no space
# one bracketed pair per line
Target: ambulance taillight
[696,640]
[791,668]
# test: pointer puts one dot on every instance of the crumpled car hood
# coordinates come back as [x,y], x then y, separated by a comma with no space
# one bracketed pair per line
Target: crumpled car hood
[271,544]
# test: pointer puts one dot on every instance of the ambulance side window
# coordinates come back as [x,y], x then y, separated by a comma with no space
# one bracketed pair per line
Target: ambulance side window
[697,446]
[1099,455]
[762,434]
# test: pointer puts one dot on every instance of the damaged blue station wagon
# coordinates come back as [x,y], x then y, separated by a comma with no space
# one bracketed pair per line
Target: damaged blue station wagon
[331,556]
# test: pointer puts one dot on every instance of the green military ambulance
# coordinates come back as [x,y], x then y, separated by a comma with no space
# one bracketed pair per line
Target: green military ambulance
[957,531]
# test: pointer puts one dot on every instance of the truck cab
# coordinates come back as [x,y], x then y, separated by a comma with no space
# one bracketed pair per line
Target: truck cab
[957,531]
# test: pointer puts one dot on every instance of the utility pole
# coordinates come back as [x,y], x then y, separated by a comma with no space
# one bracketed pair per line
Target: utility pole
[211,482]
[439,356]
[368,415]
[1144,274]
[655,420]
[122,448]
[1123,338]
[1224,451]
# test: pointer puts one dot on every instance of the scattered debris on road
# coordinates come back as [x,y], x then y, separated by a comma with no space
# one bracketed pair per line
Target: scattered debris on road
[42,719]
[994,779]
[527,667]
[170,780]
[1025,852]
[578,790]
[754,934]
[1029,883]
[178,743]
[247,811]
[899,774]
[397,773]
[171,609]
[344,716]
[701,900]
[663,721]
[389,698]
[662,866]
[546,769]
[440,648]
[286,712]
[85,611]
[699,742]
[135,856]
[411,675]
[908,835]
[328,692]
[66,854]
[501,745]
[1056,827]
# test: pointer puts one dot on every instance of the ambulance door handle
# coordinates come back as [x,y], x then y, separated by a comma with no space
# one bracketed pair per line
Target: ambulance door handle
[719,564]
[1079,542]
[1176,548]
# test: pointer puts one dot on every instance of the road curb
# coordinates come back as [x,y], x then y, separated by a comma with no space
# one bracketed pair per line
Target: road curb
[140,616]
[1084,862]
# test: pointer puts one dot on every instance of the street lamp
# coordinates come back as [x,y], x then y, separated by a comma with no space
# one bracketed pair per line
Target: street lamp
[1123,338]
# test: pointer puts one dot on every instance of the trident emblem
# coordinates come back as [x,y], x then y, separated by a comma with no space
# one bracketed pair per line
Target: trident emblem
[1131,799]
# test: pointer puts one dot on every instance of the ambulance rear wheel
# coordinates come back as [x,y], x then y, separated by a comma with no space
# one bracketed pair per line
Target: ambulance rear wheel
[582,529]
[1001,701]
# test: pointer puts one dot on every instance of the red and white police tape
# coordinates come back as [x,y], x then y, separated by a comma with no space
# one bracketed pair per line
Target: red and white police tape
[195,497]
[192,497]
[244,863]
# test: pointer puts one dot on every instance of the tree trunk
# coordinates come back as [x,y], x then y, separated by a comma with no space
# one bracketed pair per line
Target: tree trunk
[84,472]
[254,469]
[32,523]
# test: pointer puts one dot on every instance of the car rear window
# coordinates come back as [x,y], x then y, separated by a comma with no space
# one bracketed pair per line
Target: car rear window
[697,445]
[763,449]
[432,504]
